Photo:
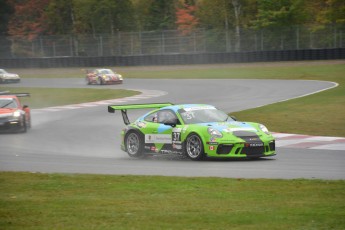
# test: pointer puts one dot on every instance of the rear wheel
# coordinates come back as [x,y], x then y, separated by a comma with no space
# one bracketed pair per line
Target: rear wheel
[134,144]
[194,148]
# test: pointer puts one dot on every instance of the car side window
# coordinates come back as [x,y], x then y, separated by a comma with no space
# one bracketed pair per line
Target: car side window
[151,117]
[162,116]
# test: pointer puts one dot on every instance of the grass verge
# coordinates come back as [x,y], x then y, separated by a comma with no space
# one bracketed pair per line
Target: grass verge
[58,201]
[46,97]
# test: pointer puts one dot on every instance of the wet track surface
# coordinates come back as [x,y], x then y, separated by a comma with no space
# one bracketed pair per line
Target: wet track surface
[87,139]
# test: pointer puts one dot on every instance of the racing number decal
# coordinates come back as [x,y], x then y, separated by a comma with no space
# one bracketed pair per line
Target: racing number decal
[176,138]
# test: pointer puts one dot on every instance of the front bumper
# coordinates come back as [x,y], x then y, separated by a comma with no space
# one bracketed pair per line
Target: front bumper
[113,82]
[241,150]
[9,80]
[11,124]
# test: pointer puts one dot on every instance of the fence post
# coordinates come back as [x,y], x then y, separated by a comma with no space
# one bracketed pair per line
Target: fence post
[100,50]
[262,40]
[54,49]
[335,37]
[297,37]
[162,42]
[32,48]
[71,46]
[119,42]
[41,45]
[194,42]
[140,44]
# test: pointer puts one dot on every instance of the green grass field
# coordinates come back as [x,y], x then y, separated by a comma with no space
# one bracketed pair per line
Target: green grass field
[56,201]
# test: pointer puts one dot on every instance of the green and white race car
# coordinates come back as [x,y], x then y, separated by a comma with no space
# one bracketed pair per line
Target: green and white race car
[196,130]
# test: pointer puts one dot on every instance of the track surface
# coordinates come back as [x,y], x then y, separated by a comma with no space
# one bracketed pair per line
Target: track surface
[86,139]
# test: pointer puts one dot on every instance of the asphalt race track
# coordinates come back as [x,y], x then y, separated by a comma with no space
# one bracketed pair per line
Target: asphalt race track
[86,138]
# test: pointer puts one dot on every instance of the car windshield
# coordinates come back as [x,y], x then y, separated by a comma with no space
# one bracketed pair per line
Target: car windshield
[203,115]
[7,103]
[106,71]
[2,71]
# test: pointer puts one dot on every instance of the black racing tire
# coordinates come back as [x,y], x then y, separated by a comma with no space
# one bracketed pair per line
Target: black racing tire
[100,81]
[134,144]
[193,147]
[87,80]
[28,125]
[25,127]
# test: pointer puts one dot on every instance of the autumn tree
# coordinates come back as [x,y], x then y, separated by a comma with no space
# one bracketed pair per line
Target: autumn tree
[327,12]
[185,18]
[29,18]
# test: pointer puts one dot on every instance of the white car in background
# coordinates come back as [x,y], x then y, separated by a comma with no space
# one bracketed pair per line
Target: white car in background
[6,77]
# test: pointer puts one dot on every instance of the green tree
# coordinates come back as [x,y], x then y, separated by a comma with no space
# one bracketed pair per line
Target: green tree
[330,12]
[280,13]
[103,16]
[60,17]
[161,15]
[6,10]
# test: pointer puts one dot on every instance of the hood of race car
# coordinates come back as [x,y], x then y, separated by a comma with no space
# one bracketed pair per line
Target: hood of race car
[240,129]
[5,112]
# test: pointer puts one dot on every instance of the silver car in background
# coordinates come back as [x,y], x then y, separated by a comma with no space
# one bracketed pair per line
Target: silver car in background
[6,77]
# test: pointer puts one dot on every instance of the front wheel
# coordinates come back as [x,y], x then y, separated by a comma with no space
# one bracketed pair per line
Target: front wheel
[87,80]
[100,81]
[194,148]
[25,125]
[133,144]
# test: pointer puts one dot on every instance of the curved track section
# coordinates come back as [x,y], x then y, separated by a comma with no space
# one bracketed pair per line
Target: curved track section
[86,139]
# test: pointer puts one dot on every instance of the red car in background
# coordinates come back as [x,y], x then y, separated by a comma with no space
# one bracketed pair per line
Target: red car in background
[13,116]
[103,77]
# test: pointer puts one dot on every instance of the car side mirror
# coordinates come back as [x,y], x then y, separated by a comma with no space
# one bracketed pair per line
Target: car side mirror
[171,123]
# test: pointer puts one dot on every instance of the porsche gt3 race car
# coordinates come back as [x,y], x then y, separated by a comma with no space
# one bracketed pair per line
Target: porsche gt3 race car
[102,77]
[6,77]
[195,130]
[14,116]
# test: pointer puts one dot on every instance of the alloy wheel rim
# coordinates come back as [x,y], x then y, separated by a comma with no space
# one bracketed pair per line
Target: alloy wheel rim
[132,143]
[193,146]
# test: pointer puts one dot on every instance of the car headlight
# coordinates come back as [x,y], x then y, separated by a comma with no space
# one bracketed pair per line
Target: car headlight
[214,133]
[16,114]
[264,129]
[120,77]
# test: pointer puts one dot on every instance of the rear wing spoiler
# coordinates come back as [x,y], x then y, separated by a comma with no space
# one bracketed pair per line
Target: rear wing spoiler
[124,108]
[15,94]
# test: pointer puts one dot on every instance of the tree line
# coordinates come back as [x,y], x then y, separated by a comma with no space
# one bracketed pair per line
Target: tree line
[32,18]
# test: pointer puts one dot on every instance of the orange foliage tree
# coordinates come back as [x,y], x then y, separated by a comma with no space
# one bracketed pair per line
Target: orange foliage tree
[185,19]
[29,19]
